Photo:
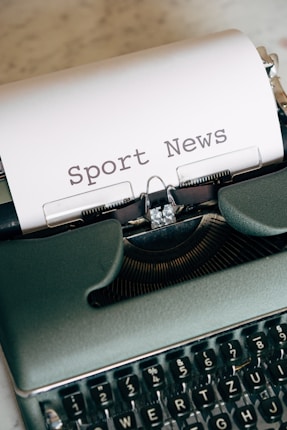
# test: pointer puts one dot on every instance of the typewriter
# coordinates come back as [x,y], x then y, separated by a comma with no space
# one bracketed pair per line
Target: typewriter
[163,307]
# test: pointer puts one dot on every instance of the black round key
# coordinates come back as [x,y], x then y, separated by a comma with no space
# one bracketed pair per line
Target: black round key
[254,379]
[279,335]
[129,387]
[206,361]
[245,417]
[180,369]
[203,397]
[126,420]
[230,388]
[179,405]
[258,343]
[271,409]
[219,422]
[152,416]
[231,351]
[74,405]
[102,394]
[278,371]
[154,377]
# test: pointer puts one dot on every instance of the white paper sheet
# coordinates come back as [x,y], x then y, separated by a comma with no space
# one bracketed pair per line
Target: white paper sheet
[170,112]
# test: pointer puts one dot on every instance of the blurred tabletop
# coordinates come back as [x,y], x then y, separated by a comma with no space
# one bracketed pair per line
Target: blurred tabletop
[39,36]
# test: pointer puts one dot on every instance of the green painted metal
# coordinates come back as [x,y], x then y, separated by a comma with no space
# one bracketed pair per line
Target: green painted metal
[258,206]
[46,325]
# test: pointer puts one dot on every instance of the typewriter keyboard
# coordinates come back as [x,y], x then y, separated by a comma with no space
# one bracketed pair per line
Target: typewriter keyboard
[236,379]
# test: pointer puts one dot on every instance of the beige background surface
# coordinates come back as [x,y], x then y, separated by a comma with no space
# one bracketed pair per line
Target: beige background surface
[40,36]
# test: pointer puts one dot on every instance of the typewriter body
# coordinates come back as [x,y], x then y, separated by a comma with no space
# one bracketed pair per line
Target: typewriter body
[166,311]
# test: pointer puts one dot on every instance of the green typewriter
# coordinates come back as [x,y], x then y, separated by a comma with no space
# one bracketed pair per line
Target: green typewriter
[143,231]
